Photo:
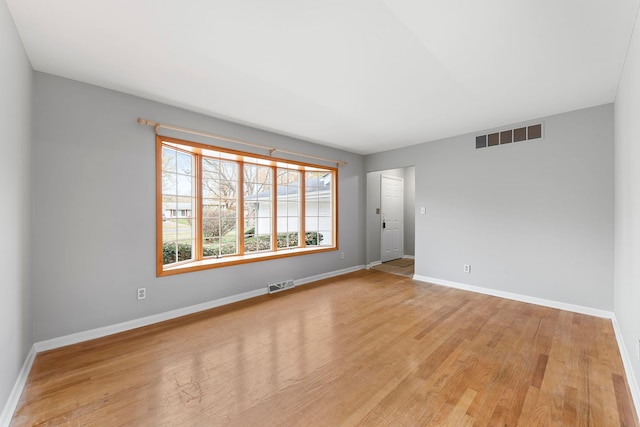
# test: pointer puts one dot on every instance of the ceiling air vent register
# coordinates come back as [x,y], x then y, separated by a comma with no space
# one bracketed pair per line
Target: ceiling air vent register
[508,136]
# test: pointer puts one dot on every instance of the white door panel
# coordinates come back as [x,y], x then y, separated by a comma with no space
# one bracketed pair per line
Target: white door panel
[391,212]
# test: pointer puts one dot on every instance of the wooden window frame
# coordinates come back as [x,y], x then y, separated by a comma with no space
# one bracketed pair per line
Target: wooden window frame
[201,263]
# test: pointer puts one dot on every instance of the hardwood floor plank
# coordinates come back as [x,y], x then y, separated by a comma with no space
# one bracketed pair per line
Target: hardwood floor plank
[366,348]
[569,410]
[538,374]
[626,413]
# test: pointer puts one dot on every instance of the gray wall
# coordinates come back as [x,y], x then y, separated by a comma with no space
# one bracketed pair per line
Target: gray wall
[15,146]
[94,221]
[533,218]
[627,205]
[373,219]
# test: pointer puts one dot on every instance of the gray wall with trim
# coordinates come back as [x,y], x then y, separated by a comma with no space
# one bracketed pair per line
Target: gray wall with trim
[15,216]
[627,204]
[533,218]
[94,222]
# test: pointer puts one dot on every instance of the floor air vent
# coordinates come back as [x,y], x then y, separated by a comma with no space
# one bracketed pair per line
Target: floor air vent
[280,286]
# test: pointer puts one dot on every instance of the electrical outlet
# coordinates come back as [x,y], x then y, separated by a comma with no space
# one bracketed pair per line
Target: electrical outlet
[142,293]
[341,255]
[467,268]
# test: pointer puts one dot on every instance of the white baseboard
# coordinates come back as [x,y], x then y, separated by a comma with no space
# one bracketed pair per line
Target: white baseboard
[18,387]
[409,256]
[628,367]
[168,315]
[373,264]
[143,321]
[14,397]
[518,297]
[317,277]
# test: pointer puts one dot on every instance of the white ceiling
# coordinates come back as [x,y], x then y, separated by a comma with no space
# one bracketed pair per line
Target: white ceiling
[363,75]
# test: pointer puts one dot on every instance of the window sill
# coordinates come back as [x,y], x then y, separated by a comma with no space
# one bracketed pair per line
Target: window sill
[209,263]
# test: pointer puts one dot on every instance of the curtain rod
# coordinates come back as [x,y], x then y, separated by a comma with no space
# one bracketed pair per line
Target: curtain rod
[271,150]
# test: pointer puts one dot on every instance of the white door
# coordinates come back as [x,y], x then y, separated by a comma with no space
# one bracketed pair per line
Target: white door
[391,212]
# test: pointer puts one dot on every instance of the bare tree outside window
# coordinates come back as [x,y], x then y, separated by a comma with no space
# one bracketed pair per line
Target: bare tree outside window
[219,207]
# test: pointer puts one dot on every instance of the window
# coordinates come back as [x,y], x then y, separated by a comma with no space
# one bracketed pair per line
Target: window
[218,207]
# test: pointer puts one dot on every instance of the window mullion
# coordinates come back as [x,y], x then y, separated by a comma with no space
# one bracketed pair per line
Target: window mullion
[240,213]
[274,209]
[198,222]
[302,240]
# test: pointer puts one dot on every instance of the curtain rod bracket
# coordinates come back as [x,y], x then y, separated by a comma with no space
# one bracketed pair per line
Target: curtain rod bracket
[147,122]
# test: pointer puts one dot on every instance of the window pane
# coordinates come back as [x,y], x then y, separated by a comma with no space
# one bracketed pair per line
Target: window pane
[228,225]
[185,185]
[229,170]
[178,206]
[288,240]
[324,223]
[169,183]
[185,163]
[264,209]
[219,207]
[258,212]
[254,241]
[293,208]
[293,223]
[210,227]
[255,177]
[210,247]
[263,223]
[313,238]
[311,224]
[228,247]
[288,191]
[169,253]
[210,187]
[324,238]
[210,165]
[185,250]
[319,208]
[169,159]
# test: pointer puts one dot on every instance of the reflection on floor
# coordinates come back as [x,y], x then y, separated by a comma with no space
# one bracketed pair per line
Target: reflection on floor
[366,348]
[401,266]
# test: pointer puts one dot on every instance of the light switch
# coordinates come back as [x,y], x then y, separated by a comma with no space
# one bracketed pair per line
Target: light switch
[423,210]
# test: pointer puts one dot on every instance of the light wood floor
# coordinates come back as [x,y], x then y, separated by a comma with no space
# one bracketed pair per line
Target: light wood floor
[402,266]
[367,348]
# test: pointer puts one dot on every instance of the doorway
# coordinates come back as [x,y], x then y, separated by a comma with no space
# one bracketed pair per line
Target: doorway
[374,214]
